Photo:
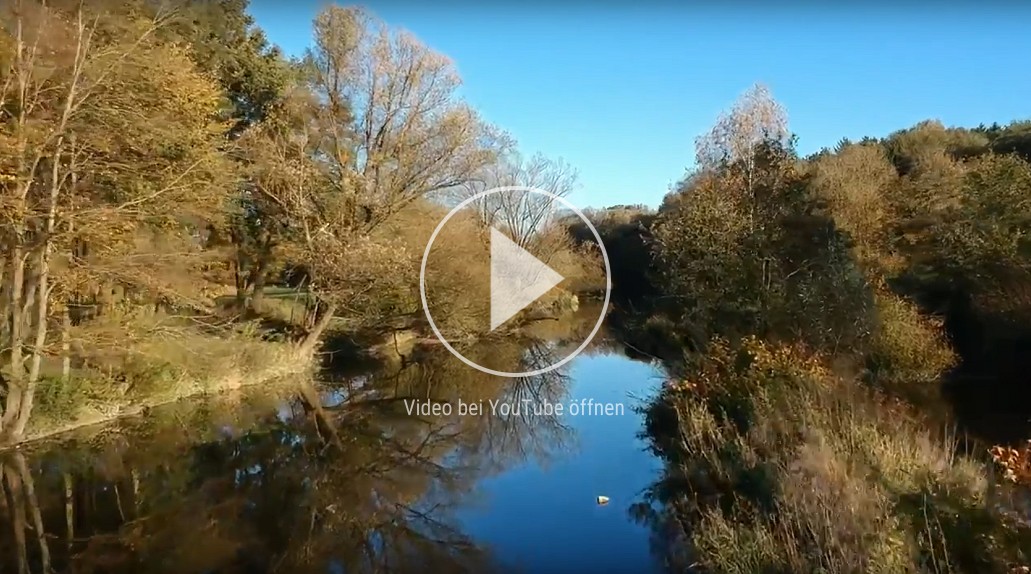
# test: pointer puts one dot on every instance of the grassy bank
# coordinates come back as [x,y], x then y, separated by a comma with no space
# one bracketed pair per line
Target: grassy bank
[161,360]
[776,464]
[158,371]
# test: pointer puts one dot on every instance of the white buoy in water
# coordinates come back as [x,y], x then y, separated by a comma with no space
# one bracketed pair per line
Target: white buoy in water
[603,500]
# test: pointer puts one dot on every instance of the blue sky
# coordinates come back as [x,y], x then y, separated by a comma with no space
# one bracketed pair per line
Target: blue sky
[620,89]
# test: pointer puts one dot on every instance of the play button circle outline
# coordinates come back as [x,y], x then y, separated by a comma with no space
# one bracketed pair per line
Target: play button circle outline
[517,278]
[463,205]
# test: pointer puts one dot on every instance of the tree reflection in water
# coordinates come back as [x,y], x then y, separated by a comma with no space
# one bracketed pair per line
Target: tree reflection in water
[310,484]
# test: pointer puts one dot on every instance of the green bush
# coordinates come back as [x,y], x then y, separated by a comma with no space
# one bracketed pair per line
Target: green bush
[907,347]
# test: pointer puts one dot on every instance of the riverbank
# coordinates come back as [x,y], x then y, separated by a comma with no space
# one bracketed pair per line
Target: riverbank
[402,344]
[193,364]
[777,463]
[159,373]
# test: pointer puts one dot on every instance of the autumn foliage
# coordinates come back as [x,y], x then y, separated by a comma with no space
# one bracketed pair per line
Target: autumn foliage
[813,293]
[1014,462]
[163,168]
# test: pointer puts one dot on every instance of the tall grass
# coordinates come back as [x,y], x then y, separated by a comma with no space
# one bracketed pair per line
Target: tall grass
[776,465]
[164,360]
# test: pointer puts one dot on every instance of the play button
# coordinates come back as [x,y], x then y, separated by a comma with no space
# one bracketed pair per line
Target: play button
[517,278]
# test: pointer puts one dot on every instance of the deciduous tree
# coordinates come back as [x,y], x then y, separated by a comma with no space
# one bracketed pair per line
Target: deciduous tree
[376,125]
[111,168]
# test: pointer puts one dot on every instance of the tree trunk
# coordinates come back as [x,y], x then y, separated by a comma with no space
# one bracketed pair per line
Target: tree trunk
[239,281]
[66,346]
[311,402]
[311,313]
[42,300]
[238,264]
[307,347]
[66,317]
[29,297]
[17,376]
[42,294]
[3,298]
[259,273]
[259,276]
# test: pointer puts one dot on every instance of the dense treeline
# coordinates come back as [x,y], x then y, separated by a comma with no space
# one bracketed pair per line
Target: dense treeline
[811,295]
[165,169]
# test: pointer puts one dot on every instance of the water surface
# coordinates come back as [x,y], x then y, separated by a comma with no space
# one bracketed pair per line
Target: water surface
[543,516]
[351,481]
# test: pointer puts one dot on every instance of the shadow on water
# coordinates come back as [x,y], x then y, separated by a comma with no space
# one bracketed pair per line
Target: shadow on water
[334,476]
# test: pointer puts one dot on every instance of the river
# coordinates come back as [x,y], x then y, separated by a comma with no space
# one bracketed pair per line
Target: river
[261,481]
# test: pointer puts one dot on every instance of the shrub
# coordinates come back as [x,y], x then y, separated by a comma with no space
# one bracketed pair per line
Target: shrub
[907,347]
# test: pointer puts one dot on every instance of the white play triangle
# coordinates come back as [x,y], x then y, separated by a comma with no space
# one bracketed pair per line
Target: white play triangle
[517,278]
